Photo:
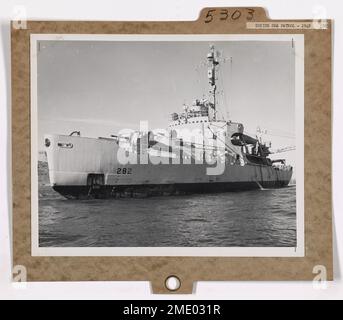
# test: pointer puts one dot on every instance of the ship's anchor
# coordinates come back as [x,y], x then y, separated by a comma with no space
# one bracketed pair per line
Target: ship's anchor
[95,182]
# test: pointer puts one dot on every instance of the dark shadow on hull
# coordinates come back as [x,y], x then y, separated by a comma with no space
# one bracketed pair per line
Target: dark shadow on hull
[142,191]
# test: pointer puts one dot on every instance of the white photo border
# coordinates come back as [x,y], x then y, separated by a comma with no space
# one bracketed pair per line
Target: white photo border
[298,251]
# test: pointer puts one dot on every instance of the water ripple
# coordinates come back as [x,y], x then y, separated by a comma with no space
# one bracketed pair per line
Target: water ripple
[252,218]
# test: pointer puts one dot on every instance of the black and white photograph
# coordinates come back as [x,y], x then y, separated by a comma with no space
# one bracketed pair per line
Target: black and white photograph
[167,145]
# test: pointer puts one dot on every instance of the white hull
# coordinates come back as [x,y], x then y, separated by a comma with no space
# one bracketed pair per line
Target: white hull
[76,164]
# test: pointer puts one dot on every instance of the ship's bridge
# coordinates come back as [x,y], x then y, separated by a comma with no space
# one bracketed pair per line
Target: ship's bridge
[198,112]
[189,120]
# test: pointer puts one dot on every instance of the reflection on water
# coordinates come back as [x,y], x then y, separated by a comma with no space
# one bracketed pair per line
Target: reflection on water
[251,218]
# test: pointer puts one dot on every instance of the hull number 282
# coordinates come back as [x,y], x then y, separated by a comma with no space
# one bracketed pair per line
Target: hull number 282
[124,171]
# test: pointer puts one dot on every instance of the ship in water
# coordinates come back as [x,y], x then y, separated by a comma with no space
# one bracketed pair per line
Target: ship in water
[196,153]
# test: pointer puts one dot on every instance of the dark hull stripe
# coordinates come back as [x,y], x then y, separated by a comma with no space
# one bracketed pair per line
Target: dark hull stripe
[164,189]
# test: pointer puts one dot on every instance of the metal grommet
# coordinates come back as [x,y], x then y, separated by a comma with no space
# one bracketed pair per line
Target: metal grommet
[172,283]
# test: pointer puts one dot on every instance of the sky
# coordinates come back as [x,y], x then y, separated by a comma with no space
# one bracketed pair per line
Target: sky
[101,87]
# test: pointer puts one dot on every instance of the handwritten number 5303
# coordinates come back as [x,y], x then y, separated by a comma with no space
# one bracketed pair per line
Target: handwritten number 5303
[225,14]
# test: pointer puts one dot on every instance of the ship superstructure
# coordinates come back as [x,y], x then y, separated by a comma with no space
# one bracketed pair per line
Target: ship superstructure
[196,153]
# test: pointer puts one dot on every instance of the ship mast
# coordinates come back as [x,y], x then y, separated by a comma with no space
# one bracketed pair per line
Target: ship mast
[211,73]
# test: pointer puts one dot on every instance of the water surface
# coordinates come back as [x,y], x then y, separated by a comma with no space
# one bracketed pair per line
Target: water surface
[251,218]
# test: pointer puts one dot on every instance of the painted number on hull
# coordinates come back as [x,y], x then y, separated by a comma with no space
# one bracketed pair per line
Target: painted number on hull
[124,170]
